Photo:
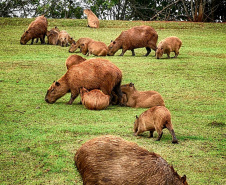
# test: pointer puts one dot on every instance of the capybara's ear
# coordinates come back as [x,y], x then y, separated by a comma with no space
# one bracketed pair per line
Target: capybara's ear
[114,42]
[131,84]
[57,83]
[183,178]
[136,117]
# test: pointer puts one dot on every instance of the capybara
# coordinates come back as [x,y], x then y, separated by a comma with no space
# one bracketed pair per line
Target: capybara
[169,44]
[111,160]
[93,21]
[37,29]
[96,48]
[143,99]
[74,60]
[136,37]
[63,38]
[52,36]
[76,45]
[155,118]
[90,74]
[94,99]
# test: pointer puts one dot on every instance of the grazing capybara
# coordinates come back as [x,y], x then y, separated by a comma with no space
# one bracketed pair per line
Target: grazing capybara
[63,38]
[111,160]
[74,60]
[96,48]
[169,44]
[136,37]
[90,74]
[155,118]
[94,99]
[52,36]
[144,99]
[37,29]
[76,45]
[93,21]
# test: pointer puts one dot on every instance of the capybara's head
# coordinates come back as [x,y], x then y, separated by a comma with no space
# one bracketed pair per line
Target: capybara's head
[136,123]
[159,52]
[25,37]
[83,49]
[71,40]
[83,90]
[113,48]
[56,29]
[73,47]
[87,11]
[128,88]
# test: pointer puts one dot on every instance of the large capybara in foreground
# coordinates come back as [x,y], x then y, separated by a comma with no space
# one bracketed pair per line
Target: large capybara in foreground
[76,45]
[93,21]
[94,99]
[136,37]
[90,74]
[111,160]
[169,44]
[96,48]
[141,99]
[37,29]
[74,60]
[155,118]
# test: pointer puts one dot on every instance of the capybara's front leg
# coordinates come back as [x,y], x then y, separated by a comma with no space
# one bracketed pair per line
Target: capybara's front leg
[151,134]
[148,51]
[159,136]
[32,41]
[133,52]
[123,52]
[72,99]
[174,139]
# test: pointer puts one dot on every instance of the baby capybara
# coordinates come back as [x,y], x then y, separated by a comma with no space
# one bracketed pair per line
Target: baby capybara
[141,99]
[74,60]
[92,74]
[136,37]
[76,45]
[63,38]
[154,119]
[111,160]
[169,44]
[37,29]
[96,48]
[52,36]
[93,21]
[94,99]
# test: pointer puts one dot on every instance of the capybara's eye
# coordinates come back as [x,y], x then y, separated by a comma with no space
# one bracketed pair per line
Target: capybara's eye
[52,90]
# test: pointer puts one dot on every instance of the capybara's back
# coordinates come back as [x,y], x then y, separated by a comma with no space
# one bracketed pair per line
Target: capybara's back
[74,60]
[111,160]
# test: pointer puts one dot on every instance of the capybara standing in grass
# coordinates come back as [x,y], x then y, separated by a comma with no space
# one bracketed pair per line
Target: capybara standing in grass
[136,37]
[90,74]
[155,118]
[37,29]
[144,99]
[74,60]
[111,160]
[76,45]
[93,21]
[96,48]
[169,44]
[94,99]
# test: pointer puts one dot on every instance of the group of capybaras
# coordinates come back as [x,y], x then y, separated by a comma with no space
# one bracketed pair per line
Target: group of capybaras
[110,159]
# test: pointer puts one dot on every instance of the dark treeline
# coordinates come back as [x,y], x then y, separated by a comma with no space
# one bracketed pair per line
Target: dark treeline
[146,10]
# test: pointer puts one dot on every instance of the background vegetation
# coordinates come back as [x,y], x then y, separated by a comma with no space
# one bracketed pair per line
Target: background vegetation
[39,140]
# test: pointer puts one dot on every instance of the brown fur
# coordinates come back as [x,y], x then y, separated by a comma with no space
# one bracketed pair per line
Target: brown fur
[111,160]
[74,60]
[155,118]
[96,48]
[76,45]
[169,44]
[94,99]
[136,37]
[63,38]
[93,21]
[144,99]
[37,29]
[91,74]
[52,36]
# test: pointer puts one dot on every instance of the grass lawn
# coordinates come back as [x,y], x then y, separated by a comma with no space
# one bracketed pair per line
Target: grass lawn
[39,140]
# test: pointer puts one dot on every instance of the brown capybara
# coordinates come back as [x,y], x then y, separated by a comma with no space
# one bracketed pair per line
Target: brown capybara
[37,29]
[91,74]
[96,48]
[111,160]
[74,60]
[63,38]
[155,118]
[93,21]
[169,44]
[143,99]
[94,99]
[52,36]
[136,37]
[76,45]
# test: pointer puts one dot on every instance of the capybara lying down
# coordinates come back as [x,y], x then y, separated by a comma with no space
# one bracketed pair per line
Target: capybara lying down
[93,21]
[155,118]
[169,44]
[37,29]
[76,45]
[52,36]
[144,99]
[90,74]
[96,48]
[136,37]
[111,160]
[94,99]
[74,60]
[63,38]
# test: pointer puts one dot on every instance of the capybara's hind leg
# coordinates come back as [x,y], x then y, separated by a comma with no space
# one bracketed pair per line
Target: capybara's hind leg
[159,135]
[176,54]
[133,52]
[151,134]
[174,139]
[118,92]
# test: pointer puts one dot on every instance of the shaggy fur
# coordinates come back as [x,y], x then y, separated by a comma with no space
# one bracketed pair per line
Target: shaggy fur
[76,45]
[93,21]
[74,60]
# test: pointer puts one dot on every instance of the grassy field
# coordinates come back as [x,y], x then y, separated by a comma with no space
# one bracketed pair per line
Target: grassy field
[39,140]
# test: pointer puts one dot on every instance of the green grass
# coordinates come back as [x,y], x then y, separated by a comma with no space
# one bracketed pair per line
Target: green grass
[39,140]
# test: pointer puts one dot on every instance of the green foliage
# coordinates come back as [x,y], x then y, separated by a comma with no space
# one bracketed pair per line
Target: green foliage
[39,140]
